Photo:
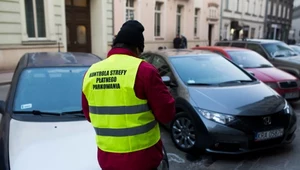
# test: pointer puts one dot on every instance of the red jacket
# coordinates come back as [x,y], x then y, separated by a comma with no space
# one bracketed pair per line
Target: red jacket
[148,85]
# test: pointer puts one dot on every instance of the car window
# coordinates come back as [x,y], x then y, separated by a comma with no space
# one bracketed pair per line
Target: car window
[162,66]
[279,50]
[147,57]
[241,45]
[296,48]
[225,44]
[207,69]
[55,89]
[258,49]
[249,59]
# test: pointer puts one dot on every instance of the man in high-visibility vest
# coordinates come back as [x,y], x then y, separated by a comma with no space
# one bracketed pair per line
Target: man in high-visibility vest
[124,98]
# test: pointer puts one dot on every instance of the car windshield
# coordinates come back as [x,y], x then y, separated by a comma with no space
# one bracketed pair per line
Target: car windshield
[207,69]
[249,59]
[279,50]
[296,48]
[52,89]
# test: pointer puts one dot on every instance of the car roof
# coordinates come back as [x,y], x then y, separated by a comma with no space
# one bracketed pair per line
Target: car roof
[260,41]
[224,48]
[166,53]
[59,59]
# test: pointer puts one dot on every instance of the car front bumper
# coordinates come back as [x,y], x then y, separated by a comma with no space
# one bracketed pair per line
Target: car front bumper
[238,138]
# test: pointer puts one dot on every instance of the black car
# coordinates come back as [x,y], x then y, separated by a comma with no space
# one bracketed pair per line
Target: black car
[42,124]
[221,107]
[277,52]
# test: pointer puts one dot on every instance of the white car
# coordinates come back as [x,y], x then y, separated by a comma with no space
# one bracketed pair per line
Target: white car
[41,122]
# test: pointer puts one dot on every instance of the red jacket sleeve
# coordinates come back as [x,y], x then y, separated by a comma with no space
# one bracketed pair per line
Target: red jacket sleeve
[159,98]
[85,105]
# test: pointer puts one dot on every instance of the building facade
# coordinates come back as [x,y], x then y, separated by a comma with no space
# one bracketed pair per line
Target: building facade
[53,25]
[197,20]
[242,19]
[278,19]
[295,30]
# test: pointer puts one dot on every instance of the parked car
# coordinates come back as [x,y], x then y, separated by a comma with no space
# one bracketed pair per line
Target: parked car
[277,52]
[295,48]
[221,107]
[284,83]
[42,124]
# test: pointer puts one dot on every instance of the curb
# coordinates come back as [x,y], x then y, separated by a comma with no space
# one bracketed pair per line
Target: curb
[5,83]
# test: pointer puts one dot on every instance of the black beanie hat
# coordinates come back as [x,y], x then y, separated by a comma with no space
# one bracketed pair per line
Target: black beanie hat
[131,33]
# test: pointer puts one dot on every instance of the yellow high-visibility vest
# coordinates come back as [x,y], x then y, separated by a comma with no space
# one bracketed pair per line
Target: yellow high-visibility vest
[123,122]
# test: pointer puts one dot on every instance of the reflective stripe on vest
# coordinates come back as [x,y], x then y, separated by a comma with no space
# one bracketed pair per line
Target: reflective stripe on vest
[126,131]
[123,123]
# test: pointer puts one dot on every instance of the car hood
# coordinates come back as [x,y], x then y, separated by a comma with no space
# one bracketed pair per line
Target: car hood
[271,74]
[244,100]
[293,59]
[52,146]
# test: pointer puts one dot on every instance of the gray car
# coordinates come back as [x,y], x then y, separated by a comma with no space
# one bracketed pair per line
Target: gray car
[221,107]
[278,53]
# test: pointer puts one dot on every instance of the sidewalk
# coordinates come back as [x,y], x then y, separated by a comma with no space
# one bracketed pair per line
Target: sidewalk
[5,78]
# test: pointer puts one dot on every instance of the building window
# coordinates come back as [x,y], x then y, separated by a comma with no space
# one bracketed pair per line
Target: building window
[261,8]
[269,8]
[252,32]
[238,5]
[274,9]
[254,7]
[225,31]
[129,10]
[196,18]
[279,11]
[288,13]
[157,19]
[35,18]
[227,4]
[178,19]
[248,6]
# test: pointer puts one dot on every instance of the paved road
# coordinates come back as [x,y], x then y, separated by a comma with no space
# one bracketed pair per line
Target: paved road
[286,158]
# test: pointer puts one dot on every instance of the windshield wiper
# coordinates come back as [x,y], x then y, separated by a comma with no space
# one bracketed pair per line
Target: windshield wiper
[202,84]
[236,81]
[75,113]
[78,113]
[264,66]
[38,112]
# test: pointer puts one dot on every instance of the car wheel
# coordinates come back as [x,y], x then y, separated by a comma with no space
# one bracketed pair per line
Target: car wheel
[183,132]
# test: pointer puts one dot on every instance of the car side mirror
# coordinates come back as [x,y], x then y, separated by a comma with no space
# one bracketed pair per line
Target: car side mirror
[2,106]
[166,80]
[251,73]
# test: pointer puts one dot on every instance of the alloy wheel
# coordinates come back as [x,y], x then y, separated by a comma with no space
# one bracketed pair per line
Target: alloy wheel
[183,133]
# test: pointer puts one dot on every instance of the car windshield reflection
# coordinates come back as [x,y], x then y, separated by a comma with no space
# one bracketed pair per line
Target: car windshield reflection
[209,69]
[249,59]
[53,90]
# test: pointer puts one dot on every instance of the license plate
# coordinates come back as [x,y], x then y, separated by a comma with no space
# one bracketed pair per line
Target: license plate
[291,95]
[269,134]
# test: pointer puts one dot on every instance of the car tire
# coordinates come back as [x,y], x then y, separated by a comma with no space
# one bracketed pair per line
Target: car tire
[183,130]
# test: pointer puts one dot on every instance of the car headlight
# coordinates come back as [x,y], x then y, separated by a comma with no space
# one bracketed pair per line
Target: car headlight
[217,117]
[287,107]
[272,85]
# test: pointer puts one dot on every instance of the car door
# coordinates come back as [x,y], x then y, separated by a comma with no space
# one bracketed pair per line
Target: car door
[164,69]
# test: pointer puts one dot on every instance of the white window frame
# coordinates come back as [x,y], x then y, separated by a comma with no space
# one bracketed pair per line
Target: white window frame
[159,12]
[130,9]
[248,6]
[196,25]
[47,13]
[179,14]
